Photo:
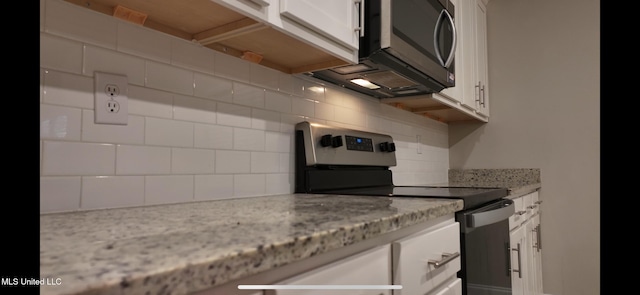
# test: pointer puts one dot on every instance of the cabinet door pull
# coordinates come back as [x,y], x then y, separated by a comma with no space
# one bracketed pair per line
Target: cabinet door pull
[538,202]
[360,28]
[519,270]
[262,3]
[538,232]
[521,212]
[483,95]
[446,257]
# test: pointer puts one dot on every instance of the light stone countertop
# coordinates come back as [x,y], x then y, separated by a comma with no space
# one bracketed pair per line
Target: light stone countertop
[183,248]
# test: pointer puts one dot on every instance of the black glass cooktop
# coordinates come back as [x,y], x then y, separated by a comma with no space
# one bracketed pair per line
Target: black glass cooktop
[472,196]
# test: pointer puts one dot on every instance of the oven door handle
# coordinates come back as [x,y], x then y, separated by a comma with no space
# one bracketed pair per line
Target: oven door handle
[485,217]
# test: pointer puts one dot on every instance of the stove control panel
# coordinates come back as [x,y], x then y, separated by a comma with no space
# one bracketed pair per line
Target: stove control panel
[329,145]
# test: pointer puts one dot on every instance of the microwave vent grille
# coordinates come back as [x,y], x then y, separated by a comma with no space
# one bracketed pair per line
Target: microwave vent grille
[389,79]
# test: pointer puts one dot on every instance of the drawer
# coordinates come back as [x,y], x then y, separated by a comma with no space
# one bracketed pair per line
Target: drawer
[371,267]
[414,258]
[454,288]
[520,213]
[534,202]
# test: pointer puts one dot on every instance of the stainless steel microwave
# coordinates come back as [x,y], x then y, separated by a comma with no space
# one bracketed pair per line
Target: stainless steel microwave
[407,47]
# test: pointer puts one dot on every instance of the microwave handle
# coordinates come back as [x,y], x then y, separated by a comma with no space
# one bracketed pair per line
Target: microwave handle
[445,13]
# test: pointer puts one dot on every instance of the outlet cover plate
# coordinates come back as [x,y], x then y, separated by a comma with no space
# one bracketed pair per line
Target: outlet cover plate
[111,101]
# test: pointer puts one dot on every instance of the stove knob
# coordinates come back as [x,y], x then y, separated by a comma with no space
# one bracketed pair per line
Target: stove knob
[325,140]
[387,147]
[336,141]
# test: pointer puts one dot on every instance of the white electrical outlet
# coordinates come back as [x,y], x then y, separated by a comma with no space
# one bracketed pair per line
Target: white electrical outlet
[111,102]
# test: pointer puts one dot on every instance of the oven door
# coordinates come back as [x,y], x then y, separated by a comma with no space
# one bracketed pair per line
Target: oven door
[414,29]
[485,243]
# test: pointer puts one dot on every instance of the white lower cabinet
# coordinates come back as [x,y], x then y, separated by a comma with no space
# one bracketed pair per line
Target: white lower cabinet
[428,262]
[372,267]
[526,246]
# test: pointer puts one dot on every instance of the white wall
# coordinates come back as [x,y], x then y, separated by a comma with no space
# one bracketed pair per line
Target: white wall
[544,74]
[201,126]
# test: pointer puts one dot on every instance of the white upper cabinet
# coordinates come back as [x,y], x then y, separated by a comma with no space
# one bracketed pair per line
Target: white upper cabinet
[256,9]
[481,70]
[335,19]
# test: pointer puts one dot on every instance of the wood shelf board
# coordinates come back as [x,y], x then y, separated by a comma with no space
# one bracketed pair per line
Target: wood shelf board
[188,19]
[429,107]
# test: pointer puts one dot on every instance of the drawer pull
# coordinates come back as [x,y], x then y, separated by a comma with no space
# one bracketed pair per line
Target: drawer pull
[521,212]
[446,257]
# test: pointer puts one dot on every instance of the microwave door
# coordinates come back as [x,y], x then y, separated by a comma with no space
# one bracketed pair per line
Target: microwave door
[443,35]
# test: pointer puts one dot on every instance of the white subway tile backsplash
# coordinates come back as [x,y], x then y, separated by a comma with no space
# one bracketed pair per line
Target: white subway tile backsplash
[202,125]
[101,192]
[228,162]
[286,162]
[168,189]
[97,59]
[278,142]
[85,25]
[143,160]
[192,55]
[76,158]
[350,116]
[192,161]
[165,77]
[60,54]
[62,123]
[248,185]
[248,95]
[213,136]
[68,90]
[232,68]
[59,194]
[312,90]
[166,132]
[211,87]
[194,109]
[212,187]
[265,120]
[303,107]
[150,102]
[325,111]
[42,71]
[137,40]
[234,115]
[132,133]
[276,101]
[286,83]
[264,77]
[42,7]
[263,162]
[248,139]
[277,184]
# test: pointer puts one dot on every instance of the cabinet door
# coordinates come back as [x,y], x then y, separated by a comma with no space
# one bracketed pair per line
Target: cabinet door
[518,261]
[536,255]
[372,267]
[336,19]
[427,259]
[481,58]
[454,288]
[256,9]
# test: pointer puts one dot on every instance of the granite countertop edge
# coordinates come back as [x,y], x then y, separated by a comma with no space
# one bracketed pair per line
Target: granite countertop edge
[204,272]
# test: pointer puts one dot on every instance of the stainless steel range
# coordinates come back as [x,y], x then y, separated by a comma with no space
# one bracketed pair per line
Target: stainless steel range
[334,160]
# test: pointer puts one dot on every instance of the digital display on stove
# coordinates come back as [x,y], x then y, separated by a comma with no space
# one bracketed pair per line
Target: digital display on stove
[359,143]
